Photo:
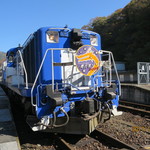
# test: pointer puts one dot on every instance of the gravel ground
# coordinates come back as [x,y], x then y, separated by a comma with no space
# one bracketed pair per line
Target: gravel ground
[137,135]
[88,143]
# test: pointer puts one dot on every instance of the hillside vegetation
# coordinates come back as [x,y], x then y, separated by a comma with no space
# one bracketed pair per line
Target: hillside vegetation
[2,57]
[126,32]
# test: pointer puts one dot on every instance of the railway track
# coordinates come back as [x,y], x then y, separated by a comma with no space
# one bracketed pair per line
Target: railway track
[138,105]
[135,107]
[61,143]
[99,136]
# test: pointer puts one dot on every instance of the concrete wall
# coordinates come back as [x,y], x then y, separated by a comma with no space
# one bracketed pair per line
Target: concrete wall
[127,76]
[136,93]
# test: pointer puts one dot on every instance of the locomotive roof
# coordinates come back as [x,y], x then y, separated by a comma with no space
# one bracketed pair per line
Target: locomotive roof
[63,28]
[12,51]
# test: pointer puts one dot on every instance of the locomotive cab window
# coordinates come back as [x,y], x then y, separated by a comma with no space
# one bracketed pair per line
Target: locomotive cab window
[94,40]
[52,37]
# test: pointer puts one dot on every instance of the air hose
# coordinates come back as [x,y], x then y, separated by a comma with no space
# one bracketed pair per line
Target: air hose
[54,123]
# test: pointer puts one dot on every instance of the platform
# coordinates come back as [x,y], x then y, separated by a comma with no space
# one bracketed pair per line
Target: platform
[142,86]
[8,134]
[135,93]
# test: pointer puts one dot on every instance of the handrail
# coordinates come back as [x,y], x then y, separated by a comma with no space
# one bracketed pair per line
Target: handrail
[24,68]
[113,61]
[40,71]
[116,74]
[52,49]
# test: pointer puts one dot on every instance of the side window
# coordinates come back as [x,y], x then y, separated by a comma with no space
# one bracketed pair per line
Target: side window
[11,58]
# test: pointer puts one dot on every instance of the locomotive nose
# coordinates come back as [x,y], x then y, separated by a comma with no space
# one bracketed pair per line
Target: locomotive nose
[76,36]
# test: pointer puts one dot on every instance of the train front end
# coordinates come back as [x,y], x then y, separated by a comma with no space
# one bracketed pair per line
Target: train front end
[73,90]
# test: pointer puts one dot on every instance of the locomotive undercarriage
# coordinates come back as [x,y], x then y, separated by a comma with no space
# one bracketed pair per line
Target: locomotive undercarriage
[83,117]
[81,123]
[76,125]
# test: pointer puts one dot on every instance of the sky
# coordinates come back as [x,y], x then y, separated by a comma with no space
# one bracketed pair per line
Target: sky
[20,18]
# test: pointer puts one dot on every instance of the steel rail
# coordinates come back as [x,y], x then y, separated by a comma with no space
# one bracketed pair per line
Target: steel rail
[99,135]
[136,110]
[135,104]
[62,144]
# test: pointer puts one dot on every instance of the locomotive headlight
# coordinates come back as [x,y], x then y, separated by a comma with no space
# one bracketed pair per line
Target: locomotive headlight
[94,40]
[52,37]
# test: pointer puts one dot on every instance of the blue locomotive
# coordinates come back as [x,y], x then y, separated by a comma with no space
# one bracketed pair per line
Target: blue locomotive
[64,79]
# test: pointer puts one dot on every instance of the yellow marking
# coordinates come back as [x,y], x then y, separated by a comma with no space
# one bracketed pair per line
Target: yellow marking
[90,56]
[146,147]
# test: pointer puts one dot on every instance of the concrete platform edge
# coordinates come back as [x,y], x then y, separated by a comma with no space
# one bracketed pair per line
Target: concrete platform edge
[9,137]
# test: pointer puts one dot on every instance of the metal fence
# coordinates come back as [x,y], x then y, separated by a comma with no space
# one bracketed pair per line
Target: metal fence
[143,70]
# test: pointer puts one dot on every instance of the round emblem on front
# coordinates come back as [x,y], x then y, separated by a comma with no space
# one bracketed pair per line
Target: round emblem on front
[87,60]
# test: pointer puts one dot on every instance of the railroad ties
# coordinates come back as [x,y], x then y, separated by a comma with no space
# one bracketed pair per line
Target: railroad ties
[8,135]
[101,137]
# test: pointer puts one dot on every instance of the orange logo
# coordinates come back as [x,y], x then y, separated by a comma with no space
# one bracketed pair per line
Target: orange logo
[88,60]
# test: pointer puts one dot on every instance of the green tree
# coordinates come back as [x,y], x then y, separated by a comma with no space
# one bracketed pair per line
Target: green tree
[126,32]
